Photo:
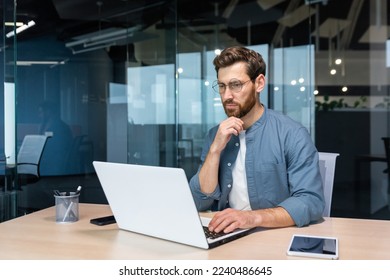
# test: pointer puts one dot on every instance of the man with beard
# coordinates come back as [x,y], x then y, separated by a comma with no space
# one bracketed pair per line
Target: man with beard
[259,168]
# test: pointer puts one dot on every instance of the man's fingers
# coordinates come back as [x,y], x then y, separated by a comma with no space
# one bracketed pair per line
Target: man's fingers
[226,221]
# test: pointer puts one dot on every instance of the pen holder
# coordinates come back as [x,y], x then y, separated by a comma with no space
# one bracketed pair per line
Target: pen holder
[67,207]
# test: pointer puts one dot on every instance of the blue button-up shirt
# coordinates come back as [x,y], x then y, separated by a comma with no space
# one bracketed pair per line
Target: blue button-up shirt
[282,169]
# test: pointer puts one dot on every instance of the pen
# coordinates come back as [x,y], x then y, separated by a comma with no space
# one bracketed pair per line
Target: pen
[78,190]
[67,211]
[69,208]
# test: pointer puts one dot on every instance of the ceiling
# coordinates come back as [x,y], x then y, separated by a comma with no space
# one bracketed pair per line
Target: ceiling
[277,22]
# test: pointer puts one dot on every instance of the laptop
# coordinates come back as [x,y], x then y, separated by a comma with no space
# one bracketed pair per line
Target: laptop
[156,201]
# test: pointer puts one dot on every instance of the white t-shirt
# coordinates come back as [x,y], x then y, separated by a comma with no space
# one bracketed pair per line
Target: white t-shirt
[238,197]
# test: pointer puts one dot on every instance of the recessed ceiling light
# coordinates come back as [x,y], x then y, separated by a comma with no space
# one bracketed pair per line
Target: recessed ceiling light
[20,29]
[9,23]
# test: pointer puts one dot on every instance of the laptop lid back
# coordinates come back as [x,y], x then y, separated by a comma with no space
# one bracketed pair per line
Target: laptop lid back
[150,200]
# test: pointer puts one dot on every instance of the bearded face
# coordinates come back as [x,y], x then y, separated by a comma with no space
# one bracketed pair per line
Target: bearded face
[239,110]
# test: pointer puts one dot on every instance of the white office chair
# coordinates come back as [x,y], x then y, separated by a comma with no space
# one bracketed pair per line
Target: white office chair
[327,163]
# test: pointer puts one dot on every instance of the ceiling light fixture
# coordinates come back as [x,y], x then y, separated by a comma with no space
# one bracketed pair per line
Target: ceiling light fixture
[102,36]
[39,62]
[106,38]
[20,29]
[308,2]
[10,23]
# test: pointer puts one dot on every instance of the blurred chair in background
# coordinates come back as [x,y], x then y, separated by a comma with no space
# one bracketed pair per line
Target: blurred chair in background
[327,163]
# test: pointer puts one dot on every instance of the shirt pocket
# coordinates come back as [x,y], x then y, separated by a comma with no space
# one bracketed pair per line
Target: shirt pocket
[272,183]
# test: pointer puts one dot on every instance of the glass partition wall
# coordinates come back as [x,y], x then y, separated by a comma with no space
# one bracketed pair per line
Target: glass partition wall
[130,81]
[8,51]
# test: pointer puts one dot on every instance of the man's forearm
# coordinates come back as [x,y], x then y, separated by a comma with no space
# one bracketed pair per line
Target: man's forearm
[208,174]
[273,217]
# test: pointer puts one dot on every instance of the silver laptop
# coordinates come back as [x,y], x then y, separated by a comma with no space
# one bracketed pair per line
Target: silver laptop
[156,201]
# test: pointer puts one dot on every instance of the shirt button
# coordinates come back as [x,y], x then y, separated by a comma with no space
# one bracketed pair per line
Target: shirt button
[229,185]
[229,164]
[237,144]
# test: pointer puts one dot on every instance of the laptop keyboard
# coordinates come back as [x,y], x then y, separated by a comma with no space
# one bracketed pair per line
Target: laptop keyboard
[211,234]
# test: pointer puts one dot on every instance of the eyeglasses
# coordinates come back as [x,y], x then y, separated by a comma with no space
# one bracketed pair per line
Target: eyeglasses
[234,85]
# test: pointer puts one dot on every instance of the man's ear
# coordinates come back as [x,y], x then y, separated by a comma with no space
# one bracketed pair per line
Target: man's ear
[260,83]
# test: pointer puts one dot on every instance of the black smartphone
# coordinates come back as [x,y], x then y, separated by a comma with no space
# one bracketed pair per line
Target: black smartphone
[102,221]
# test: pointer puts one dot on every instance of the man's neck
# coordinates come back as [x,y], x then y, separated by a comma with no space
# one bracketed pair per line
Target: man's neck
[254,114]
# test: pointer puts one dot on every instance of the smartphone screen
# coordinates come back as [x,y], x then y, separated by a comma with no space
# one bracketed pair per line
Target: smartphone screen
[313,246]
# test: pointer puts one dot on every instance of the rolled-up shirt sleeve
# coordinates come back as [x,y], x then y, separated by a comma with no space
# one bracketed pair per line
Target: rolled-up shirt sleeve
[306,202]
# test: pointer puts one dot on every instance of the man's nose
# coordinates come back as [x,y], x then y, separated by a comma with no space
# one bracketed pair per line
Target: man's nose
[228,94]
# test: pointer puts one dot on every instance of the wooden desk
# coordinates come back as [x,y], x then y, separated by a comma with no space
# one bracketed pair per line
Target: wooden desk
[38,236]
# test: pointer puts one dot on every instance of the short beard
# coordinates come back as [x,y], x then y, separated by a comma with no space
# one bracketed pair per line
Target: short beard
[242,110]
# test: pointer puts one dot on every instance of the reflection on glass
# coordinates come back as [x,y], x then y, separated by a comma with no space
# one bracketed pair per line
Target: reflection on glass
[293,73]
[141,117]
[314,245]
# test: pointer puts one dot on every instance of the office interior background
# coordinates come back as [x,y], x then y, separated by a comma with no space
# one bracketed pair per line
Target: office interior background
[131,82]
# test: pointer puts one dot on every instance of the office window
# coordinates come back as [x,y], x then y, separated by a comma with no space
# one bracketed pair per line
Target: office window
[131,82]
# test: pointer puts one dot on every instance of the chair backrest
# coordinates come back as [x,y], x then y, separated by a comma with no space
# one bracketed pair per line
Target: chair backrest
[30,154]
[327,163]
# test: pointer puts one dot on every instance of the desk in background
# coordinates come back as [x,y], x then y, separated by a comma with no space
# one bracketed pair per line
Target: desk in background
[362,192]
[8,192]
[38,236]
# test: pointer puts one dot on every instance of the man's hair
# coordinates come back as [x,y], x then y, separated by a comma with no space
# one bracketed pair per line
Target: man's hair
[255,65]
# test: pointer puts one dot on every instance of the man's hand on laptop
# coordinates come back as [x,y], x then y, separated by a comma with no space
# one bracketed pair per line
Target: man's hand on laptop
[230,219]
